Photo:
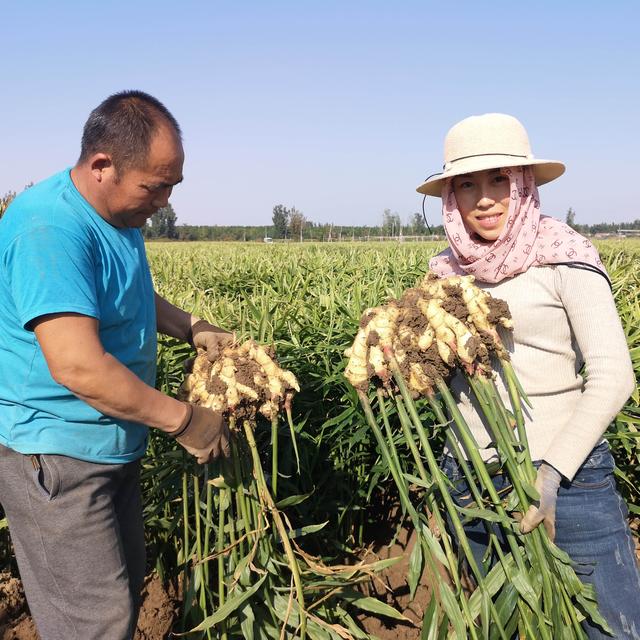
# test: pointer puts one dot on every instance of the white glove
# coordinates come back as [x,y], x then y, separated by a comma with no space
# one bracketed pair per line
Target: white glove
[547,484]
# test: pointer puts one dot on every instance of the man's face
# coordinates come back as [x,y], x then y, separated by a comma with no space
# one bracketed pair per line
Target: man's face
[133,195]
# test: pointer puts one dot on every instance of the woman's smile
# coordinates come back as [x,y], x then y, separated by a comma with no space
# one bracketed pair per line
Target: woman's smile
[483,201]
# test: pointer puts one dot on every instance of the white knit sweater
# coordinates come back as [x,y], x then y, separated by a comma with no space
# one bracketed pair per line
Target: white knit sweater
[563,317]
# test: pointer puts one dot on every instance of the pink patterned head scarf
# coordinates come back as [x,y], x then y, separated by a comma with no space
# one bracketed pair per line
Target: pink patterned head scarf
[528,239]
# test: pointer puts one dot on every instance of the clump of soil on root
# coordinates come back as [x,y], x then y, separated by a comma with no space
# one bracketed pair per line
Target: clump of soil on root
[455,304]
[497,309]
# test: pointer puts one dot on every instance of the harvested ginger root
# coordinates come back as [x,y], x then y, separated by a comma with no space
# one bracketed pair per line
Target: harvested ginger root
[433,328]
[243,381]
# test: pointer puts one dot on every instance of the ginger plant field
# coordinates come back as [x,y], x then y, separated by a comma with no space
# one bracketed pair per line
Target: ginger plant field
[272,546]
[306,301]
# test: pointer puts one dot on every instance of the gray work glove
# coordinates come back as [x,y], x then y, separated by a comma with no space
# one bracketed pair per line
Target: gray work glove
[203,433]
[212,339]
[547,484]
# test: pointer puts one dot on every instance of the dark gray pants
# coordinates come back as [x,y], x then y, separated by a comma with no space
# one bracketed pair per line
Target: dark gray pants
[77,531]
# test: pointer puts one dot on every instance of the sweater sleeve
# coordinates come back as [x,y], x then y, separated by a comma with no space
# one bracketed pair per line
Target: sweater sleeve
[609,376]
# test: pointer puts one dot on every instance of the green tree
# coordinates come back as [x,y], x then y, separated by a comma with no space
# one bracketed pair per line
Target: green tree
[297,223]
[280,221]
[163,224]
[418,225]
[571,218]
[390,223]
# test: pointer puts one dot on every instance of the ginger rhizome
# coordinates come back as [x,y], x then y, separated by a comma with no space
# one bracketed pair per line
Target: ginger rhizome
[433,328]
[244,381]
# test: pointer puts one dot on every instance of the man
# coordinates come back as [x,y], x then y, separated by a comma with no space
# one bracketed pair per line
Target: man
[78,324]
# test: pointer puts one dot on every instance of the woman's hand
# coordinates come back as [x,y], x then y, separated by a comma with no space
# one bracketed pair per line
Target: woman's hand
[547,484]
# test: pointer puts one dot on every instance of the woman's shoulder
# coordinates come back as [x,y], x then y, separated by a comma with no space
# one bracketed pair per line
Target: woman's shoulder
[559,274]
[534,277]
[580,279]
[550,284]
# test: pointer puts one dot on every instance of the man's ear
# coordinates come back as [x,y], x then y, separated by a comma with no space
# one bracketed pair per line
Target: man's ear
[100,166]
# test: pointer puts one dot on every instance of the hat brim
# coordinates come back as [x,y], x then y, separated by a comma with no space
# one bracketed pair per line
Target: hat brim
[544,171]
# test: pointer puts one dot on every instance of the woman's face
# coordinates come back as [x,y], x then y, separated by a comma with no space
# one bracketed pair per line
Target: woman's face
[483,201]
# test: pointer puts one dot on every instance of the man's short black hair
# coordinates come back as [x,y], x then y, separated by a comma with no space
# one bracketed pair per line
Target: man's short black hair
[123,126]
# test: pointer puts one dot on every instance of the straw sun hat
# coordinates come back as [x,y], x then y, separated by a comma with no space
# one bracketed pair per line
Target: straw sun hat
[490,141]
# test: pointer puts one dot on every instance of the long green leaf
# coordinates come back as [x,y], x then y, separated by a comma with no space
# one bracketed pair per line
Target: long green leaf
[416,566]
[366,603]
[228,607]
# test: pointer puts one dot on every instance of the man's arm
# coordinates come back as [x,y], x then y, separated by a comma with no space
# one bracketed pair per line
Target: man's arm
[174,322]
[77,360]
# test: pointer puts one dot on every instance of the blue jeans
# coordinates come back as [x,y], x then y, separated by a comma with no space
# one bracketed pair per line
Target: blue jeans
[592,527]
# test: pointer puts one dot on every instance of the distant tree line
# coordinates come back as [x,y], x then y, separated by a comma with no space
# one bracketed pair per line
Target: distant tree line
[601,227]
[321,232]
[291,224]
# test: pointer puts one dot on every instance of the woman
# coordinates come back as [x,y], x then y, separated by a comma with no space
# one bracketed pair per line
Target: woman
[564,317]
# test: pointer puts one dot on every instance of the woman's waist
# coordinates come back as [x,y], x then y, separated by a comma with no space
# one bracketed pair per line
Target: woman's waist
[547,416]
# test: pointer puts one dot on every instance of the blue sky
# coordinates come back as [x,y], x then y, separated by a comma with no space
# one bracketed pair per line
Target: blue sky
[338,108]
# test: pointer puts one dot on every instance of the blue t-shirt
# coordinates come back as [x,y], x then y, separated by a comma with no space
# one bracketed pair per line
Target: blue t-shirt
[58,255]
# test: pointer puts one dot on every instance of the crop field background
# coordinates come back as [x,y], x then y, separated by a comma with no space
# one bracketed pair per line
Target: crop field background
[306,301]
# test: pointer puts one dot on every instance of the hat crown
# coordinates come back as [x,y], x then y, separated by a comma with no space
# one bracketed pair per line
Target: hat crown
[486,142]
[488,134]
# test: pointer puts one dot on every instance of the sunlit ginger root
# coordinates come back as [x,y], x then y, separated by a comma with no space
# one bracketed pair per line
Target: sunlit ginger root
[484,311]
[426,339]
[419,382]
[244,378]
[434,286]
[278,379]
[445,337]
[460,317]
[463,337]
[356,370]
[377,331]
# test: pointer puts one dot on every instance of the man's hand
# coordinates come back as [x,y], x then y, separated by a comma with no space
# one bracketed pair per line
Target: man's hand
[203,433]
[547,484]
[211,338]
